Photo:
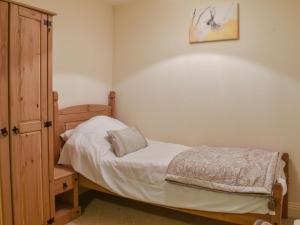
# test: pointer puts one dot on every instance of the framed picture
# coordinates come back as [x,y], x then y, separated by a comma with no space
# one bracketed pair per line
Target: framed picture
[215,23]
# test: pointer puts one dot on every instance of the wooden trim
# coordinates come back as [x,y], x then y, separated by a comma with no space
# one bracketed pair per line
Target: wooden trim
[45,108]
[14,115]
[5,180]
[31,7]
[51,118]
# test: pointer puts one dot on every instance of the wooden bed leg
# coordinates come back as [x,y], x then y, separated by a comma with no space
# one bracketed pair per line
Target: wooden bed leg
[285,158]
[112,103]
[278,198]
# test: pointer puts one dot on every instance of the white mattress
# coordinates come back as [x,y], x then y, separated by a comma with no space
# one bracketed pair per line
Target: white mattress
[141,176]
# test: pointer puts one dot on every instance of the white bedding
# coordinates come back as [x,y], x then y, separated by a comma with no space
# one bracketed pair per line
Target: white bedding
[141,175]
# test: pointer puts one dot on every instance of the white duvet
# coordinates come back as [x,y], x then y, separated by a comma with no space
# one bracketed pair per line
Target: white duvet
[141,175]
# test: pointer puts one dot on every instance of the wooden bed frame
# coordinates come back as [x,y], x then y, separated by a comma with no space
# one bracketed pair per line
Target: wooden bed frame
[69,118]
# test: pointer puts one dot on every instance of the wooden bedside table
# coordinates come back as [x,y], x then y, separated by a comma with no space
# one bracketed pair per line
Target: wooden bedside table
[66,195]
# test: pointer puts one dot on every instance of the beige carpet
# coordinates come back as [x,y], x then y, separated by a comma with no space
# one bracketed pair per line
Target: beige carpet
[101,209]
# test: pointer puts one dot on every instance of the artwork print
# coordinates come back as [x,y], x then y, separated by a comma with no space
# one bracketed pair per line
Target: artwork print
[215,23]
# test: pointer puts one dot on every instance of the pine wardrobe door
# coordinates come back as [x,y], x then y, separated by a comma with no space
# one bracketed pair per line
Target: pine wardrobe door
[5,186]
[29,111]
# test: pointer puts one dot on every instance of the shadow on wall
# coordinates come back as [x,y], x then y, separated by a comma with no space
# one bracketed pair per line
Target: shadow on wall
[215,59]
[227,79]
[214,99]
[75,89]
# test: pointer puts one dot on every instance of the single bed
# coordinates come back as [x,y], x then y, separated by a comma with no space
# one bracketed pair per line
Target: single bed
[140,175]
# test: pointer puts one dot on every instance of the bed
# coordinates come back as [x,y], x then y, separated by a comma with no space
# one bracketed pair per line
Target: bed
[109,174]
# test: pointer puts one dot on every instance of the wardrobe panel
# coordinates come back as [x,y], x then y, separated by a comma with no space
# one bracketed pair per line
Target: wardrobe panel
[29,184]
[5,185]
[51,117]
[29,113]
[30,73]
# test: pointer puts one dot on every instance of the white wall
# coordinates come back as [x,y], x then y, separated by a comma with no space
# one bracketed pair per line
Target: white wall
[237,93]
[83,48]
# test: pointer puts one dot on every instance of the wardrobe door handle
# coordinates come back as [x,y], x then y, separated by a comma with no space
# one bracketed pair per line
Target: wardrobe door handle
[65,186]
[16,130]
[4,132]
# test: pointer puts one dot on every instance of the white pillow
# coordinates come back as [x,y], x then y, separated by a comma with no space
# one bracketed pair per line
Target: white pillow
[126,141]
[67,134]
[99,125]
[89,139]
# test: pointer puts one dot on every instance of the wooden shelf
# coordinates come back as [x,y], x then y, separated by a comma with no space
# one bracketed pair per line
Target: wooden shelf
[66,213]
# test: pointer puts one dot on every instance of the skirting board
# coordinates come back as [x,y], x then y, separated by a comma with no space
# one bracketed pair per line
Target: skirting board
[294,210]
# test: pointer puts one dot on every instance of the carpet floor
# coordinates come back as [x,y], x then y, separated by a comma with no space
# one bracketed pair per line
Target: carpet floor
[102,209]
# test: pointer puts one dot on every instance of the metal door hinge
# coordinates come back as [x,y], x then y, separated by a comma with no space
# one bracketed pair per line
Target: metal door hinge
[48,23]
[48,124]
[50,221]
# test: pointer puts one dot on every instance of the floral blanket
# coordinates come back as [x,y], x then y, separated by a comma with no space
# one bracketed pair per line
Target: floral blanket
[226,169]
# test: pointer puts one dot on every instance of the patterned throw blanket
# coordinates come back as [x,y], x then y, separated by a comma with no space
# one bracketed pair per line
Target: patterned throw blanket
[234,170]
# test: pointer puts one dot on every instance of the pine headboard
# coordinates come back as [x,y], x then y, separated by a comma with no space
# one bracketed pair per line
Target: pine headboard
[71,117]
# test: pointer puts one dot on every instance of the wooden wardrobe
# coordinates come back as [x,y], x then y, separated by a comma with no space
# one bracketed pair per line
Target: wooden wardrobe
[26,115]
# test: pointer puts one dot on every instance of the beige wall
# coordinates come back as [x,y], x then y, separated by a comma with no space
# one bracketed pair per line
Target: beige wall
[83,47]
[239,93]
